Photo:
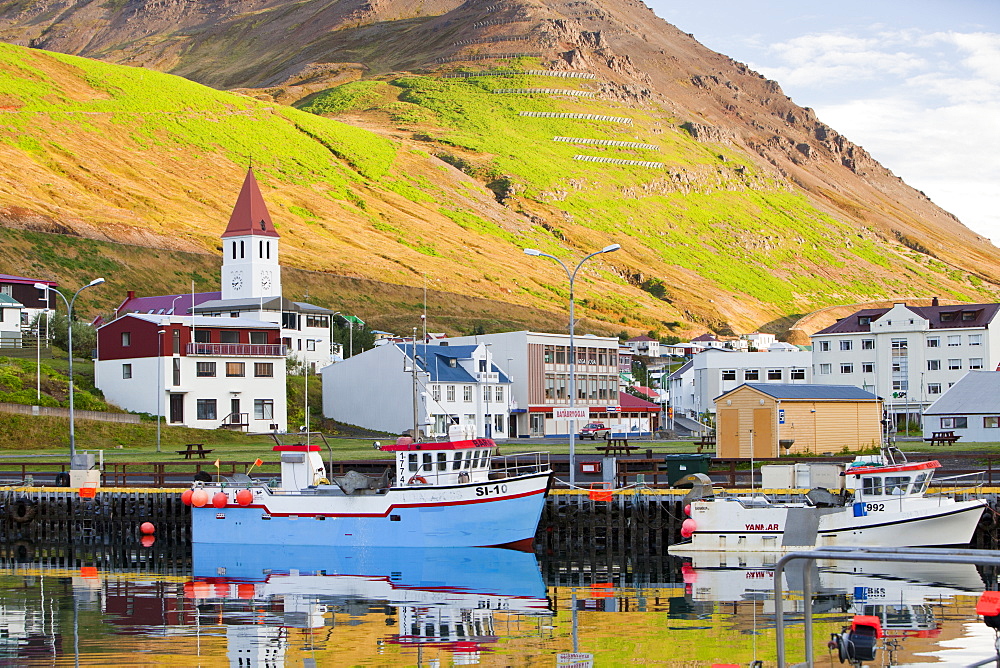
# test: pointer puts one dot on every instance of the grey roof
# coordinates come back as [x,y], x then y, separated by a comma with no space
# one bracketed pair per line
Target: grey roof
[202,322]
[806,392]
[975,392]
[251,304]
[689,424]
[684,367]
[980,315]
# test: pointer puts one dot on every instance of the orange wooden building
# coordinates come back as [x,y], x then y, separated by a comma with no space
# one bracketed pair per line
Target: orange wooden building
[771,419]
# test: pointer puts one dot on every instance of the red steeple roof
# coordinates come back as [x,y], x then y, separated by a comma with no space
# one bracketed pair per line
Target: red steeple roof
[250,214]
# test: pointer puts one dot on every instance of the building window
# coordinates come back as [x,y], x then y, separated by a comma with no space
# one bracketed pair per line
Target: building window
[933,365]
[560,354]
[126,370]
[126,339]
[868,344]
[499,394]
[825,368]
[797,374]
[846,345]
[206,369]
[933,342]
[229,336]
[954,365]
[751,374]
[467,393]
[900,385]
[202,336]
[263,369]
[450,392]
[948,317]
[847,367]
[824,346]
[868,367]
[486,393]
[263,409]
[550,387]
[975,363]
[933,388]
[954,423]
[177,341]
[969,315]
[954,340]
[310,344]
[436,392]
[774,374]
[864,320]
[547,355]
[206,409]
[235,369]
[258,338]
[991,422]
[177,371]
[729,374]
[975,339]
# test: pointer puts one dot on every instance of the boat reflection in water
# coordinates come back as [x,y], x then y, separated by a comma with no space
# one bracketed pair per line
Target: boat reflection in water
[441,598]
[906,599]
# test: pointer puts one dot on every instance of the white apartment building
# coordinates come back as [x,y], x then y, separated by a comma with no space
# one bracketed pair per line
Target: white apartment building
[695,386]
[539,365]
[198,372]
[908,355]
[453,384]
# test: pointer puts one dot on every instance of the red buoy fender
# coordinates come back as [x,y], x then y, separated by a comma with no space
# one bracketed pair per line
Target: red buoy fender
[417,480]
[244,497]
[220,500]
[186,497]
[199,498]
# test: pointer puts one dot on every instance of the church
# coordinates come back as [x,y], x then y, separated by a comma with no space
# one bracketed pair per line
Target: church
[251,287]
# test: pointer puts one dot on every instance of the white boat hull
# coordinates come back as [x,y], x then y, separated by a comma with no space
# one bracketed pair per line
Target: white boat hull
[726,524]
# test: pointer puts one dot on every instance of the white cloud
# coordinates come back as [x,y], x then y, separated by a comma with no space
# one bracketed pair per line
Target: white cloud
[924,104]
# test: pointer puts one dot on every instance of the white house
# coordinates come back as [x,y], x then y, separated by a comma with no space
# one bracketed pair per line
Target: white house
[694,387]
[908,355]
[539,364]
[970,408]
[10,322]
[198,372]
[644,345]
[453,384]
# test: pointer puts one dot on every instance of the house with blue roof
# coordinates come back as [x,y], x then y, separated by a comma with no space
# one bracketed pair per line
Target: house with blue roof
[400,387]
[762,420]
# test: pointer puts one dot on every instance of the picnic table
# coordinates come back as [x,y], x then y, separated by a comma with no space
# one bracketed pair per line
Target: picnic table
[194,449]
[705,440]
[942,438]
[617,446]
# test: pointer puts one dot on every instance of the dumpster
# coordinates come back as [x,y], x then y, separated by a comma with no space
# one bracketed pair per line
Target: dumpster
[680,465]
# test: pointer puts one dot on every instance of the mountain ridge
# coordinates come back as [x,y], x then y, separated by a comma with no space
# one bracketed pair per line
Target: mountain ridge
[742,136]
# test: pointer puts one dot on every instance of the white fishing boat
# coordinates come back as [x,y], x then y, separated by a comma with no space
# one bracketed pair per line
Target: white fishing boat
[440,494]
[877,501]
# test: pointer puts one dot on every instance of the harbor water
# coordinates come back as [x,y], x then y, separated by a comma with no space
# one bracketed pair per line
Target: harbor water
[158,604]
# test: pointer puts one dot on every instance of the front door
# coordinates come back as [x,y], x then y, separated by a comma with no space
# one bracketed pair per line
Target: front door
[234,411]
[537,424]
[728,433]
[177,408]
[512,427]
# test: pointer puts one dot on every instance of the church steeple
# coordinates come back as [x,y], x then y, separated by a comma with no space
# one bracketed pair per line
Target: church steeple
[250,268]
[250,216]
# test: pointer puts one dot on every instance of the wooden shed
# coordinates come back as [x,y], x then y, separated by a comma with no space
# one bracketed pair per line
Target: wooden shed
[758,419]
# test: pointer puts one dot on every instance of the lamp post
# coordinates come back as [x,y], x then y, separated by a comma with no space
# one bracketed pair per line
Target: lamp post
[572,348]
[159,382]
[69,341]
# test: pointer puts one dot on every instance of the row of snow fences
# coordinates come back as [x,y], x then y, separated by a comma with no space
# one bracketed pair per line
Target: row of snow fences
[512,73]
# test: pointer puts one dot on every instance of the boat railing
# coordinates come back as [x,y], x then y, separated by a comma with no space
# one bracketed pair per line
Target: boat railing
[964,486]
[521,463]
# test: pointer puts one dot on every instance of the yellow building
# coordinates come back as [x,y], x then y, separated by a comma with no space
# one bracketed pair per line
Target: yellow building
[763,420]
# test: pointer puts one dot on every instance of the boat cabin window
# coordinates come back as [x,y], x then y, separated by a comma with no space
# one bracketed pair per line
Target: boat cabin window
[897,484]
[428,464]
[413,461]
[871,485]
[920,484]
[468,459]
[458,462]
[442,461]
[475,459]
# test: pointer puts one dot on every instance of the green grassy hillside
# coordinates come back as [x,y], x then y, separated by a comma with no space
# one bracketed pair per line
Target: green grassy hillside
[426,181]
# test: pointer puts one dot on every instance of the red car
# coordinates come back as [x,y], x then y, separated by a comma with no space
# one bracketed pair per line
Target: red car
[593,430]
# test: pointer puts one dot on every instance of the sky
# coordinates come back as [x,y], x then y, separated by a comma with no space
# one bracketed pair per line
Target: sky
[916,83]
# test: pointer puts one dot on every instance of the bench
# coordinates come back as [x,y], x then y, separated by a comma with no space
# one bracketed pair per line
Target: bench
[942,438]
[194,449]
[616,446]
[706,440]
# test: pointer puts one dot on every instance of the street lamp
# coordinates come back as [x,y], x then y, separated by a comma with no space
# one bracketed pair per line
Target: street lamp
[572,348]
[159,382]
[69,341]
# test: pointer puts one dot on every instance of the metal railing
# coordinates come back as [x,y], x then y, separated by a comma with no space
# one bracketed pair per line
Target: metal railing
[237,349]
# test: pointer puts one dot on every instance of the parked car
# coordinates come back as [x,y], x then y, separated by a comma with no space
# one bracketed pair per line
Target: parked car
[593,430]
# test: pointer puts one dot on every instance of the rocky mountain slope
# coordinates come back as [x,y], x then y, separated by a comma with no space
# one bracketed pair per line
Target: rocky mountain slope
[733,205]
